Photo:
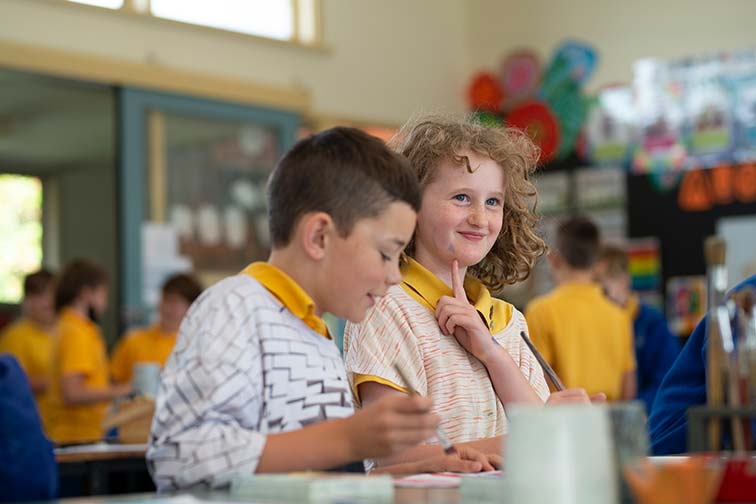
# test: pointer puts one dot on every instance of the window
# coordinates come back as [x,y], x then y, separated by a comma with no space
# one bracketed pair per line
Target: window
[285,20]
[21,229]
[108,4]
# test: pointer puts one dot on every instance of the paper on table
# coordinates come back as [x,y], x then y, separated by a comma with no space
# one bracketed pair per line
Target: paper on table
[442,480]
[101,447]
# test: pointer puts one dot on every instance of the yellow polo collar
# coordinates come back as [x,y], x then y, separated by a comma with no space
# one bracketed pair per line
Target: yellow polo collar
[289,293]
[426,288]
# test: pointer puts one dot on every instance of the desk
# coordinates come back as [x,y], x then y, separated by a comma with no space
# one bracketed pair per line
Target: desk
[401,496]
[89,469]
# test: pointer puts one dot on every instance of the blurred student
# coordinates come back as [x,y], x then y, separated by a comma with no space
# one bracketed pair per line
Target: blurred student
[27,464]
[30,338]
[586,338]
[154,343]
[655,346]
[80,389]
[683,387]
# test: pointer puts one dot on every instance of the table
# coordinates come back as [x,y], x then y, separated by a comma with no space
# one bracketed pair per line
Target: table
[89,469]
[401,496]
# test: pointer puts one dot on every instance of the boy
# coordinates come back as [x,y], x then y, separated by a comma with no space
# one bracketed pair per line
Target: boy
[29,339]
[80,390]
[154,343]
[586,338]
[655,346]
[255,383]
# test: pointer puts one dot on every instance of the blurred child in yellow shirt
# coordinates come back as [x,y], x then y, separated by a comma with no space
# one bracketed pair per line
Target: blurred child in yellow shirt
[154,343]
[30,338]
[80,389]
[586,338]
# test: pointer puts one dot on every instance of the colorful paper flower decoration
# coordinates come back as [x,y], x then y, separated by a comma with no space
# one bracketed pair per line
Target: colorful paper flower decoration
[485,92]
[520,75]
[541,125]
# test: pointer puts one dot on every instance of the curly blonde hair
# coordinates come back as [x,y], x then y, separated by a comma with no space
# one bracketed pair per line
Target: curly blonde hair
[430,140]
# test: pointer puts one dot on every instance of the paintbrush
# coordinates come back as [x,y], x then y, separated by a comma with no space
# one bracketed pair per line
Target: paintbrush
[547,370]
[715,251]
[443,440]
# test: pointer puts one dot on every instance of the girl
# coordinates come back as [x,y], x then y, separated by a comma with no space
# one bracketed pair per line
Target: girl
[475,234]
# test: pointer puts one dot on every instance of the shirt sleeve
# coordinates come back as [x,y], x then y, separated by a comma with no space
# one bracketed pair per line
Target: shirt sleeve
[521,354]
[121,362]
[12,342]
[76,353]
[383,340]
[206,427]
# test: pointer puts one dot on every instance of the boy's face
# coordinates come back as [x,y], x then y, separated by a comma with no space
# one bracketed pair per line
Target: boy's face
[616,287]
[462,213]
[172,309]
[97,298]
[41,307]
[361,267]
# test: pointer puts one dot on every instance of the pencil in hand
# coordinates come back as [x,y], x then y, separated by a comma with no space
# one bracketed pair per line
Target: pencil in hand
[443,440]
[547,370]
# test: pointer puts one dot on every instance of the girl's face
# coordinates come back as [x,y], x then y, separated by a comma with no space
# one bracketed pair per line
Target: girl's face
[461,215]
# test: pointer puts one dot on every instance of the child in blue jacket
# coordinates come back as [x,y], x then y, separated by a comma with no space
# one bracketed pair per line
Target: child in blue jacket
[27,463]
[683,387]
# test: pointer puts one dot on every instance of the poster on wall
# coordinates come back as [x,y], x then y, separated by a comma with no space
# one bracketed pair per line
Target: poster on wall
[686,302]
[740,235]
[553,192]
[644,264]
[161,259]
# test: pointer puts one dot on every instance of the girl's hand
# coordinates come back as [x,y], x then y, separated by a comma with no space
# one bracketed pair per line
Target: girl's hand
[467,460]
[457,316]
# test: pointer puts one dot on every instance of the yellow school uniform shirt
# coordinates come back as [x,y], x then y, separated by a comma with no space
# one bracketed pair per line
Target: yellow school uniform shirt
[33,347]
[80,349]
[586,338]
[149,344]
[30,344]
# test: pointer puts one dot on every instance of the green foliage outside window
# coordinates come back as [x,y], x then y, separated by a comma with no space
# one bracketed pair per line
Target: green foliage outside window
[20,233]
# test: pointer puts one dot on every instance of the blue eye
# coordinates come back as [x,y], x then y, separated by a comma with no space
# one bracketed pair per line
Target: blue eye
[462,197]
[493,201]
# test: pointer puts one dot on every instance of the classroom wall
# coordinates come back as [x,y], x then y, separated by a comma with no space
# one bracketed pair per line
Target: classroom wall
[88,226]
[623,31]
[383,60]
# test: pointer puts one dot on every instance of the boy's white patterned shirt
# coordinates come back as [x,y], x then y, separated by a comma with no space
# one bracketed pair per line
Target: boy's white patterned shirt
[243,367]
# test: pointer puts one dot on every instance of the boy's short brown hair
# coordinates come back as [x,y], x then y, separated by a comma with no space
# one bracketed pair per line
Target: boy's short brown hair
[38,282]
[616,261]
[429,141]
[578,241]
[77,275]
[183,285]
[343,172]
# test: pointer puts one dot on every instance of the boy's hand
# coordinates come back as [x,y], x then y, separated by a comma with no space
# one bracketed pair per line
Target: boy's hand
[574,396]
[390,425]
[457,316]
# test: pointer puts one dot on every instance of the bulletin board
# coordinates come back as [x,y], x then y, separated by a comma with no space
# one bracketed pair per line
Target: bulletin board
[685,208]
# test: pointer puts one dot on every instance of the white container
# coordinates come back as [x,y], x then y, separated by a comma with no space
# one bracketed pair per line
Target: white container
[146,378]
[560,455]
